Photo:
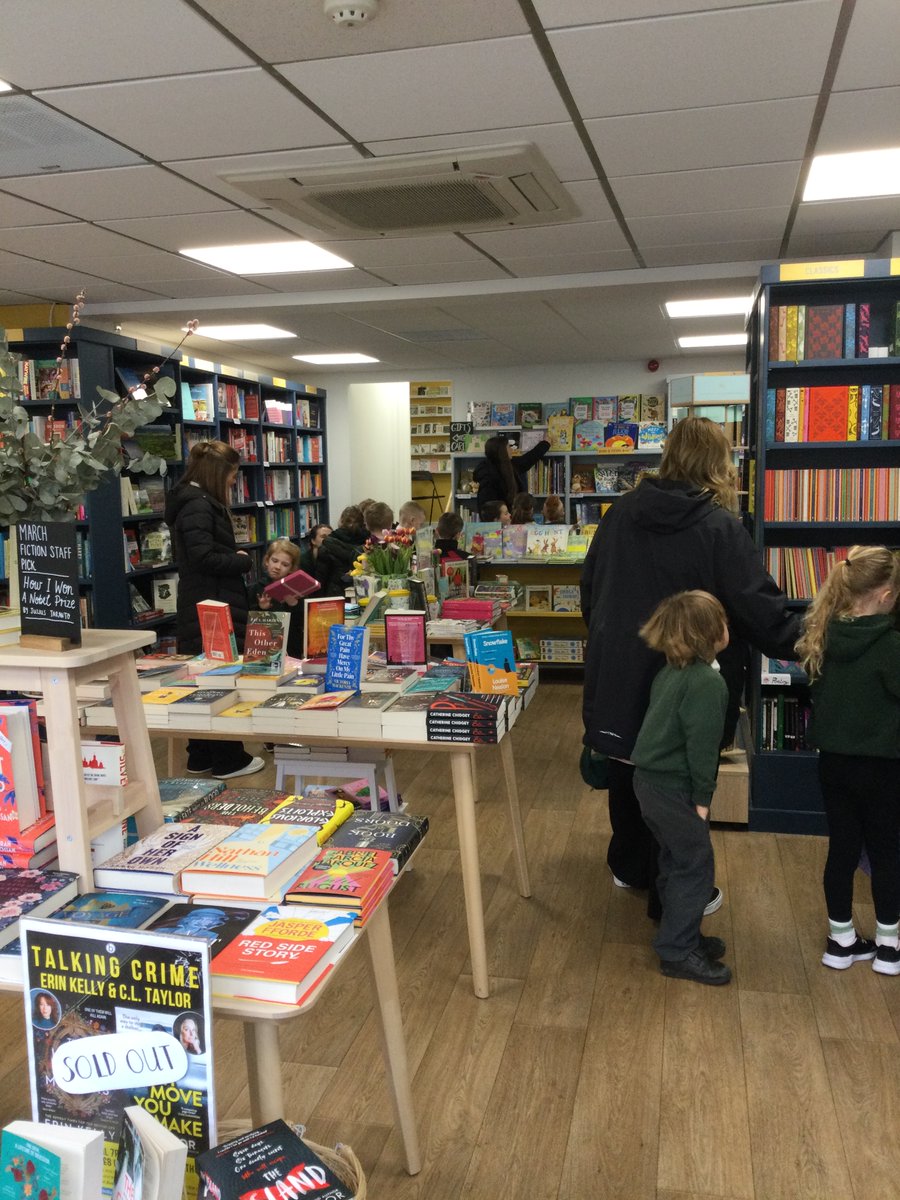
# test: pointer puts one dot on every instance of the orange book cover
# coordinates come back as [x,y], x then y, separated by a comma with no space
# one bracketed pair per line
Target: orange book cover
[320,614]
[217,631]
[828,414]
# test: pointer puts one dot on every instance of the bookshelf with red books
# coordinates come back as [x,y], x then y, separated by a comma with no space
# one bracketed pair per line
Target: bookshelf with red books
[824,361]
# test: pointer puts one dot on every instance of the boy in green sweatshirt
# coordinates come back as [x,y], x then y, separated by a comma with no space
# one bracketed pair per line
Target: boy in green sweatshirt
[676,758]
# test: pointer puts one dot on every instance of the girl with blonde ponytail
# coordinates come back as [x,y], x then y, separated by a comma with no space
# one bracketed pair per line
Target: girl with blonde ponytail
[851,651]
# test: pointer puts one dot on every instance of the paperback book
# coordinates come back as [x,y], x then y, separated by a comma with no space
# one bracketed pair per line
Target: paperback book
[348,653]
[151,1161]
[492,662]
[217,631]
[237,806]
[296,585]
[397,833]
[117,1019]
[325,816]
[320,615]
[265,643]
[253,862]
[283,953]
[31,893]
[217,925]
[37,1158]
[404,636]
[345,877]
[180,796]
[154,864]
[269,1163]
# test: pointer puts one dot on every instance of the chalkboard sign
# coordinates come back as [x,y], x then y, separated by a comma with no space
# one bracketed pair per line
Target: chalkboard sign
[458,431]
[48,582]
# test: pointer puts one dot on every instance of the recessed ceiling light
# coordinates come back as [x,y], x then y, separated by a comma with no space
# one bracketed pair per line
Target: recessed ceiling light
[723,307]
[712,339]
[269,258]
[4,86]
[859,173]
[333,360]
[245,333]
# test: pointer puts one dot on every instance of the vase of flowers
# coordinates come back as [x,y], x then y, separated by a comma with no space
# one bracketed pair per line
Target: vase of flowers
[388,564]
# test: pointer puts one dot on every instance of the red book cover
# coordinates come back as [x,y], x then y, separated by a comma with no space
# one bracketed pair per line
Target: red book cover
[894,415]
[298,584]
[825,332]
[863,312]
[347,876]
[404,637]
[320,615]
[828,414]
[217,631]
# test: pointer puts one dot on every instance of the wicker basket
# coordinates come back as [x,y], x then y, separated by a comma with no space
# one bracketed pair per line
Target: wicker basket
[345,1165]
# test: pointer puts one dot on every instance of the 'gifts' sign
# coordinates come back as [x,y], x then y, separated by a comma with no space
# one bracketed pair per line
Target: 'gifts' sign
[48,581]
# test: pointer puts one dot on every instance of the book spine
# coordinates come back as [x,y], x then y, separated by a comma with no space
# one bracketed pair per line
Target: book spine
[801,331]
[863,313]
[865,408]
[876,410]
[780,401]
[791,415]
[770,415]
[853,413]
[894,428]
[849,331]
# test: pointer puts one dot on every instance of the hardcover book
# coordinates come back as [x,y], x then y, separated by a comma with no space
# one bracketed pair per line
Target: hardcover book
[155,863]
[560,432]
[145,1041]
[397,833]
[325,818]
[237,806]
[254,861]
[265,643]
[216,925]
[503,414]
[545,540]
[320,615]
[217,631]
[621,435]
[180,796]
[348,654]
[404,636]
[297,583]
[345,877]
[388,679]
[590,436]
[269,1163]
[282,953]
[31,893]
[824,331]
[828,414]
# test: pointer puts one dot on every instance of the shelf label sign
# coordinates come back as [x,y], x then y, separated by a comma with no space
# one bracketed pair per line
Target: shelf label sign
[850,268]
[48,579]
[458,431]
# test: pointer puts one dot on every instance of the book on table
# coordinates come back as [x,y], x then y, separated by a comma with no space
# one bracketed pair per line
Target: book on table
[325,816]
[345,877]
[347,657]
[151,1161]
[217,630]
[26,842]
[492,661]
[253,862]
[154,863]
[62,1157]
[238,806]
[199,703]
[235,717]
[319,714]
[404,637]
[29,893]
[319,615]
[269,1163]
[405,716]
[388,679]
[265,643]
[283,953]
[179,796]
[361,715]
[397,833]
[216,924]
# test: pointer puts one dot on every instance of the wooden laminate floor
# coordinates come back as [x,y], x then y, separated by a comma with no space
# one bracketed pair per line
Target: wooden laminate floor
[586,1074]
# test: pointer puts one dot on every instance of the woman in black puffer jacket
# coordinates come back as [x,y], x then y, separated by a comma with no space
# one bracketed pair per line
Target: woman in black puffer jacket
[210,567]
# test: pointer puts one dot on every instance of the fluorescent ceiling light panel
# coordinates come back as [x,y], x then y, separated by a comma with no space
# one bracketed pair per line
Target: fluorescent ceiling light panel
[241,333]
[712,339]
[849,176]
[726,306]
[333,360]
[4,86]
[268,258]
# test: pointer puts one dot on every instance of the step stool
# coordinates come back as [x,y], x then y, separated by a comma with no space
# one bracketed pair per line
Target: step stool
[360,764]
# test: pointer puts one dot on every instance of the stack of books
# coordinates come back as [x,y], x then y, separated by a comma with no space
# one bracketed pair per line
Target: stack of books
[399,833]
[180,797]
[342,877]
[254,862]
[465,717]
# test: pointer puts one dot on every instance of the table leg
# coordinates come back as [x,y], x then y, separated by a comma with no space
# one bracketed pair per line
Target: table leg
[464,799]
[263,1071]
[515,815]
[73,837]
[393,1045]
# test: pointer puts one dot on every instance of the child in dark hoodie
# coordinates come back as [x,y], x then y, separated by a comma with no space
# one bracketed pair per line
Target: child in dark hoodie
[851,652]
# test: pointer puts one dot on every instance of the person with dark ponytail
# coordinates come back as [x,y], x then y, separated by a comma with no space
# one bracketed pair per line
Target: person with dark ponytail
[210,567]
[501,476]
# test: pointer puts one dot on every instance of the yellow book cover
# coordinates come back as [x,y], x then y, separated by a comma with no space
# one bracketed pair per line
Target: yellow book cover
[853,412]
[791,333]
[560,432]
[242,709]
[167,695]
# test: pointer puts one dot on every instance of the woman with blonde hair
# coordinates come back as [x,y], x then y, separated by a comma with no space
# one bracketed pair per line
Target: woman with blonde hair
[674,532]
[851,652]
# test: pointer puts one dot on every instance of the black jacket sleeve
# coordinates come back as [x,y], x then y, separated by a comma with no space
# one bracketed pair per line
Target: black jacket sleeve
[523,462]
[197,525]
[754,602]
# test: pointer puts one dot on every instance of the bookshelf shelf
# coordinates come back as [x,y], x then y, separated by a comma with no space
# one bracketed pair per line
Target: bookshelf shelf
[842,482]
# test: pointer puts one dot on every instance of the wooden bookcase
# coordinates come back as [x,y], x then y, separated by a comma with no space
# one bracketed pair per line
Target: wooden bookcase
[539,624]
[785,793]
[277,426]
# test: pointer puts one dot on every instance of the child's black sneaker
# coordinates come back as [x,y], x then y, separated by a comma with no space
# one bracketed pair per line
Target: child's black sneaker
[697,968]
[887,960]
[841,957]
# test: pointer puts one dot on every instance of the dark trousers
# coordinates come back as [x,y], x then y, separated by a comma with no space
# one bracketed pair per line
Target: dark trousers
[220,757]
[686,867]
[862,804]
[633,851]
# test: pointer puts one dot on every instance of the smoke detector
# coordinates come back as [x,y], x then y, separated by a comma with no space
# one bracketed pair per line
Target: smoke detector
[350,12]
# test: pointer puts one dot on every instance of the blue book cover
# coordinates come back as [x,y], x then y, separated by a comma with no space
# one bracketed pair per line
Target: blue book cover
[27,1169]
[770,416]
[865,410]
[492,661]
[850,333]
[348,652]
[876,412]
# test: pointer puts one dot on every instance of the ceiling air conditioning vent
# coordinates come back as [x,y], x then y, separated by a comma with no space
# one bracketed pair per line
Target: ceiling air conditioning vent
[495,187]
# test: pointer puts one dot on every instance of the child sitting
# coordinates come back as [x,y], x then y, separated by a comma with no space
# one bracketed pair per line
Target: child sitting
[851,652]
[281,558]
[676,758]
[448,529]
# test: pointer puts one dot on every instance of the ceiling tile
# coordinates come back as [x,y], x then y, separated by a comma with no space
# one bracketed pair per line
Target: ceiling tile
[206,171]
[185,116]
[442,89]
[685,228]
[866,120]
[293,32]
[525,266]
[380,252]
[18,298]
[558,14]
[870,54]
[144,191]
[198,229]
[415,272]
[591,200]
[559,143]
[52,282]
[210,285]
[825,245]
[318,281]
[117,39]
[848,216]
[662,64]
[763,250]
[706,191]
[36,140]
[692,138]
[574,238]
[141,265]
[15,212]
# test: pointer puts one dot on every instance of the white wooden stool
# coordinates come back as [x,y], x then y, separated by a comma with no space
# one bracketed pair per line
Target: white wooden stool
[361,764]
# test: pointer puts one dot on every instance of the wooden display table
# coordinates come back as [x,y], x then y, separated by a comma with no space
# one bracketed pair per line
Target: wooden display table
[83,811]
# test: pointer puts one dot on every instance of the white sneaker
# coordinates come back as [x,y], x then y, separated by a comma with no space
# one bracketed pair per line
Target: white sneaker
[715,902]
[254,765]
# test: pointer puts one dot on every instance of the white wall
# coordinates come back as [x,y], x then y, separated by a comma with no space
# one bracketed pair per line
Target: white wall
[368,416]
[368,444]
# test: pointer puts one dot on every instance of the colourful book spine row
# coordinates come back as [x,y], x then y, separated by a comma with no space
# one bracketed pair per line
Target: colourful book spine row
[837,494]
[816,332]
[801,570]
[851,413]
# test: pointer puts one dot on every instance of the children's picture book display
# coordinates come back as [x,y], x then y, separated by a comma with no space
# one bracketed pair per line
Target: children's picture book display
[115,1019]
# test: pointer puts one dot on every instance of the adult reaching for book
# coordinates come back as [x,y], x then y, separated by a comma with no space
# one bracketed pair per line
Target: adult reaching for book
[501,476]
[210,567]
[676,532]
